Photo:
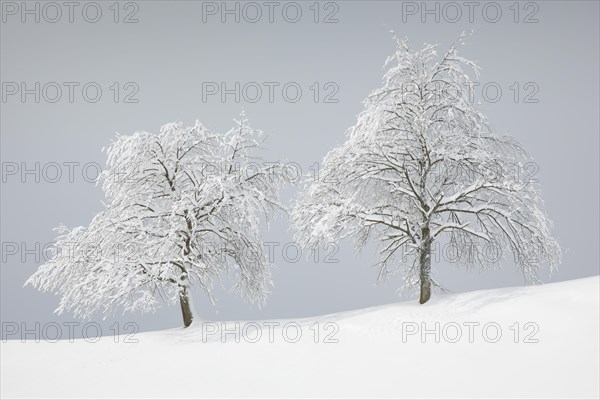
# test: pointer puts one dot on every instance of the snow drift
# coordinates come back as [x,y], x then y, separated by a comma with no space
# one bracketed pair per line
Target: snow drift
[540,341]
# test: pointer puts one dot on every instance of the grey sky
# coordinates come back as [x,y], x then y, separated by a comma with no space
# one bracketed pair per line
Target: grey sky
[172,51]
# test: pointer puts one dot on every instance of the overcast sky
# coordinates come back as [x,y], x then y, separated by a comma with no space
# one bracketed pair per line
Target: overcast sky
[540,74]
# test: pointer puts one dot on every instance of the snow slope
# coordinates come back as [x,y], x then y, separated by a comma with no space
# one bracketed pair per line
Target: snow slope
[376,355]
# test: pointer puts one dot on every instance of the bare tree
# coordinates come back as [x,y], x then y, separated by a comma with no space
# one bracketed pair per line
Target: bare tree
[184,206]
[423,162]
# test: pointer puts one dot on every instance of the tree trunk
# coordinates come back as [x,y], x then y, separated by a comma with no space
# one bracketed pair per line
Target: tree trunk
[425,267]
[186,307]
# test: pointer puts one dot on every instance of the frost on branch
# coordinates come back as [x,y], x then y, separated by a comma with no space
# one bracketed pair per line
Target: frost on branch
[184,206]
[422,162]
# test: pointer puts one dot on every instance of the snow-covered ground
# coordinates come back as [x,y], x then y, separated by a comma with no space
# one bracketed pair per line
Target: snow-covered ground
[553,352]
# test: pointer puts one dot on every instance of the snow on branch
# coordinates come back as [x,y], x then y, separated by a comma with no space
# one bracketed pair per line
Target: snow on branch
[423,162]
[184,206]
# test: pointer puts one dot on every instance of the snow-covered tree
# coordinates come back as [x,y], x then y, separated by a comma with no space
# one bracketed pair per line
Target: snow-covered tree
[422,162]
[184,206]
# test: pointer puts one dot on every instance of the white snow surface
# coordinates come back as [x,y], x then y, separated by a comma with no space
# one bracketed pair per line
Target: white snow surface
[371,358]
